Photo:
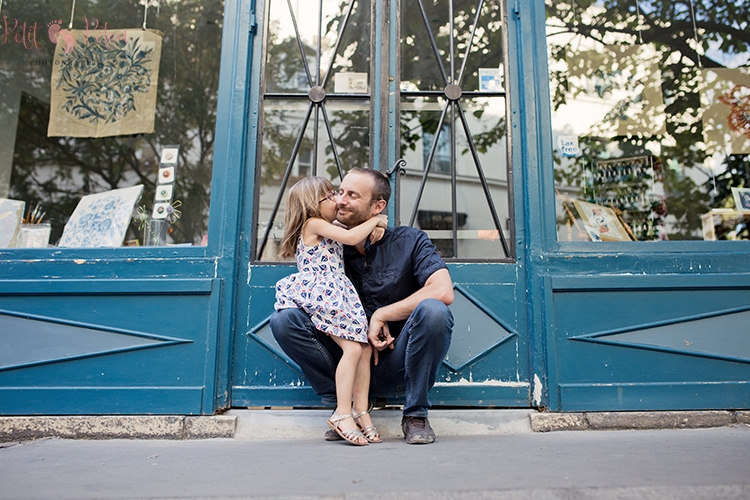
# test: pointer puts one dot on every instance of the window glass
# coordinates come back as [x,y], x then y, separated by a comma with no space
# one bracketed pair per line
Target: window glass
[476,235]
[90,103]
[453,132]
[650,119]
[316,116]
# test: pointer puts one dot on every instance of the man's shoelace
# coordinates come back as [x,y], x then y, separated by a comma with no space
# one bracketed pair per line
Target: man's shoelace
[417,422]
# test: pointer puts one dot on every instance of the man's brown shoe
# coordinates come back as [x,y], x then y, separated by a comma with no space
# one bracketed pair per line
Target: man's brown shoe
[417,430]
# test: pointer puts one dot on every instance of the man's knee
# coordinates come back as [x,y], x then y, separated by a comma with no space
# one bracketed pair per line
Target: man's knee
[286,322]
[435,313]
[432,320]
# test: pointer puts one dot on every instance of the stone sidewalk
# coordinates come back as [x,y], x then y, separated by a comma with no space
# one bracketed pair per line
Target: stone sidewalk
[304,424]
[668,464]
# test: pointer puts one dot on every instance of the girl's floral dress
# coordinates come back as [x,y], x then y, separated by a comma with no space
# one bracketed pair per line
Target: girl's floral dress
[323,291]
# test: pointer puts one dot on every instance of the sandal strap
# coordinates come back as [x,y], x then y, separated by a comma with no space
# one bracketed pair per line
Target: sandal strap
[370,432]
[336,418]
[353,434]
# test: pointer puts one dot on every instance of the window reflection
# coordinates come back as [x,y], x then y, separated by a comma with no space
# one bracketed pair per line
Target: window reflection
[649,119]
[56,172]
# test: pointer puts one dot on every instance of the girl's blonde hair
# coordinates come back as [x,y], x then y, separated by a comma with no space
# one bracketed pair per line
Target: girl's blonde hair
[302,203]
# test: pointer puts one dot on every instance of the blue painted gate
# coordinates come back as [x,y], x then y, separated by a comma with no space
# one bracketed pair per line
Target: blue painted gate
[399,86]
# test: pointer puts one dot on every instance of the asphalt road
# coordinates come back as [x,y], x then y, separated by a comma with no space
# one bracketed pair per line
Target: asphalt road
[663,464]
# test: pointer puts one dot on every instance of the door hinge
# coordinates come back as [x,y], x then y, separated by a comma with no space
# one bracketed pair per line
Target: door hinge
[253,28]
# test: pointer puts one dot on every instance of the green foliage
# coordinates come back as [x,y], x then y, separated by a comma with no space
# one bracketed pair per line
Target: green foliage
[421,69]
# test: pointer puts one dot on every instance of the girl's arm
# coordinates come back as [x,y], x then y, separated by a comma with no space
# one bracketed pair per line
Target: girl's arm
[357,234]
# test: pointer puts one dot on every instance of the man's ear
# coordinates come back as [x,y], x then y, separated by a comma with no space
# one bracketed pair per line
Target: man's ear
[378,207]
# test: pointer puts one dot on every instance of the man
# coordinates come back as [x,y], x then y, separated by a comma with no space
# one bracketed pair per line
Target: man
[405,289]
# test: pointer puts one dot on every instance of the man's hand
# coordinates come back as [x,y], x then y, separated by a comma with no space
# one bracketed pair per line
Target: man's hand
[379,336]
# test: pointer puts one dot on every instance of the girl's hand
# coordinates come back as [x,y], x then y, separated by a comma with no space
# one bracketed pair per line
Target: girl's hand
[382,220]
[376,235]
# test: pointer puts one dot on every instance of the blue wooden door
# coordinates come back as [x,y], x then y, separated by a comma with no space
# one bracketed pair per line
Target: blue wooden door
[423,90]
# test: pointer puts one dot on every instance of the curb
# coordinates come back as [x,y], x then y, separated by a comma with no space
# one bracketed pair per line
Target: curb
[636,420]
[116,427]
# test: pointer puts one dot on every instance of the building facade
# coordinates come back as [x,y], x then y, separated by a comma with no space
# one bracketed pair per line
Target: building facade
[582,167]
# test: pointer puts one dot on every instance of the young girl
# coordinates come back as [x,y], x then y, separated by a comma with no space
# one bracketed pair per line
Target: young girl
[323,291]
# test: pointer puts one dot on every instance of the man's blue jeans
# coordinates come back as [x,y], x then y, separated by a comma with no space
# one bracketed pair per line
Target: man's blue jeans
[409,370]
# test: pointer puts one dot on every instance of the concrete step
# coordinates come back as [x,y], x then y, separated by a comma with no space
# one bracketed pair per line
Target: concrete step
[311,424]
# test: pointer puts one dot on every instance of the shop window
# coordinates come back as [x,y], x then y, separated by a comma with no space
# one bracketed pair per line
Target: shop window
[650,120]
[91,104]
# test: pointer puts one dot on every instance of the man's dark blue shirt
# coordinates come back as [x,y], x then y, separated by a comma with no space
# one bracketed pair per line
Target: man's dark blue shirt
[392,269]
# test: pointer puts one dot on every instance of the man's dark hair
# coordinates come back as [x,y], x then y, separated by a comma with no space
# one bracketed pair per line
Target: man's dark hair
[381,189]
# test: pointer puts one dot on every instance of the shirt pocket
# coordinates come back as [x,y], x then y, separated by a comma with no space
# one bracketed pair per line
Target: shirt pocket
[384,277]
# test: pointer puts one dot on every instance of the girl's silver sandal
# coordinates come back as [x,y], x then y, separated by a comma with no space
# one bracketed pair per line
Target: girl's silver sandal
[352,436]
[369,431]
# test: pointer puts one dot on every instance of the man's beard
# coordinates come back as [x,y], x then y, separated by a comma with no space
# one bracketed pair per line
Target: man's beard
[352,219]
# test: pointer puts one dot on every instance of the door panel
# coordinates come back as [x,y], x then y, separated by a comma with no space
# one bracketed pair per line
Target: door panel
[685,338]
[486,365]
[69,352]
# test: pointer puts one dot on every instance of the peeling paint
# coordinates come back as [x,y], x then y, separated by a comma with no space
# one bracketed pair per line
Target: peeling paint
[79,261]
[536,399]
[490,383]
[249,273]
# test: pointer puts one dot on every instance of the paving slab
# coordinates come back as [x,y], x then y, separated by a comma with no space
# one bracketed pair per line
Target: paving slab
[629,464]
[24,428]
[549,422]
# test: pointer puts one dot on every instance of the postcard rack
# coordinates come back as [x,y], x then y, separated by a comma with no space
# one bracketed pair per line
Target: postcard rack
[634,186]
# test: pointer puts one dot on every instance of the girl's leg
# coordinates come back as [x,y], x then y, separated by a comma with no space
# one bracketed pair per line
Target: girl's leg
[345,378]
[362,393]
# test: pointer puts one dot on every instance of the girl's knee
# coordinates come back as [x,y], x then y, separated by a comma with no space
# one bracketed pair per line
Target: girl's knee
[348,347]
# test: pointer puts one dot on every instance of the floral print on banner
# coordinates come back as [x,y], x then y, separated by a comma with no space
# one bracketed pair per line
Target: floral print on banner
[322,290]
[105,84]
[102,77]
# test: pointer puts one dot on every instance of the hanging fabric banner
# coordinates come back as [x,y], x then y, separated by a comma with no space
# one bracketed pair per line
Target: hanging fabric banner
[725,100]
[104,82]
